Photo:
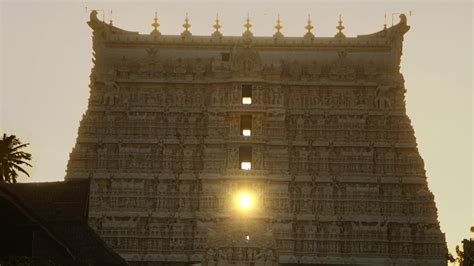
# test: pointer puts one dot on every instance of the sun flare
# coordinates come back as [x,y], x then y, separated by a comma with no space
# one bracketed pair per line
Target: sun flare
[244,201]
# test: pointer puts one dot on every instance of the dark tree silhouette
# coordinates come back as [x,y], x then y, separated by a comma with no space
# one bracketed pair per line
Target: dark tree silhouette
[12,159]
[465,255]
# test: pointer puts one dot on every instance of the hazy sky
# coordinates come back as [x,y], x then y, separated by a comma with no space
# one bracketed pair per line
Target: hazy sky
[46,60]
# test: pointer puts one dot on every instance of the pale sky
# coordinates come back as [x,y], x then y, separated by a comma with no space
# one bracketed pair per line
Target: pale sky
[46,53]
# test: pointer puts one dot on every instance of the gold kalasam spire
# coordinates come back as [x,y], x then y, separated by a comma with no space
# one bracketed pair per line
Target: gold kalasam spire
[155,24]
[278,28]
[385,21]
[186,24]
[186,27]
[217,26]
[340,28]
[309,28]
[247,25]
[111,21]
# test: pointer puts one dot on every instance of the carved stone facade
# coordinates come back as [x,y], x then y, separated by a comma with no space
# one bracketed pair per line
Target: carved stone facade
[336,172]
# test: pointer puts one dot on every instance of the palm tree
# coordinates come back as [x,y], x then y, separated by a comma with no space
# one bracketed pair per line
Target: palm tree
[12,158]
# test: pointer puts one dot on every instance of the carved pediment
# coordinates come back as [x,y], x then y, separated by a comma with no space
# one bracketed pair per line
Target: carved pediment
[342,68]
[246,61]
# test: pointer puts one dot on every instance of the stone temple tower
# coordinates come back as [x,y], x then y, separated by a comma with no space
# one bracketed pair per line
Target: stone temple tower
[314,129]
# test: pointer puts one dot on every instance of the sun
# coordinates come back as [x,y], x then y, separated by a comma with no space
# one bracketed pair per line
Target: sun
[244,201]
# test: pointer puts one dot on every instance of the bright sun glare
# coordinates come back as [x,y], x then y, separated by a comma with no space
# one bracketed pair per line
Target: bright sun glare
[245,201]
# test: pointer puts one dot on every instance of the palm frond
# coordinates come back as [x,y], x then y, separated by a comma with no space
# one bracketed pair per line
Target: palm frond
[20,146]
[19,162]
[12,158]
[20,169]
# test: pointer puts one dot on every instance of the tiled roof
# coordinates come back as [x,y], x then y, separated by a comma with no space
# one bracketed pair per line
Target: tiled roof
[63,206]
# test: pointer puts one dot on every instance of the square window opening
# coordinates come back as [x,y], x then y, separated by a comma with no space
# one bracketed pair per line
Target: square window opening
[245,158]
[246,165]
[246,94]
[246,100]
[246,125]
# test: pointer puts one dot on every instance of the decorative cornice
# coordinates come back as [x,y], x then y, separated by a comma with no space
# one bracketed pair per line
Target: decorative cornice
[115,35]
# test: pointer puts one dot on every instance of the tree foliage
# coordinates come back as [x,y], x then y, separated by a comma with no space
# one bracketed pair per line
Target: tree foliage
[12,158]
[458,258]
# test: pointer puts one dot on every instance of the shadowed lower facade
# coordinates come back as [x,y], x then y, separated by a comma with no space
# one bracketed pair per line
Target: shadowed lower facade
[313,129]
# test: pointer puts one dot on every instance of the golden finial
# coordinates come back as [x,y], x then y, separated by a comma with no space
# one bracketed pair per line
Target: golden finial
[111,21]
[385,21]
[217,26]
[340,28]
[247,24]
[247,34]
[309,27]
[155,24]
[278,26]
[186,24]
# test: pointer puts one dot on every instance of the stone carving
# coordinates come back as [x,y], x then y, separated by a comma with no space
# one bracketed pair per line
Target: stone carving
[342,68]
[198,69]
[382,97]
[334,156]
[314,70]
[246,61]
[295,70]
[179,68]
[371,71]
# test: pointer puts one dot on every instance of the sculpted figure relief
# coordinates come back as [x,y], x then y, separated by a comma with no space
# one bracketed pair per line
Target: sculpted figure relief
[245,61]
[295,70]
[314,70]
[123,68]
[199,69]
[383,97]
[371,71]
[179,68]
[342,68]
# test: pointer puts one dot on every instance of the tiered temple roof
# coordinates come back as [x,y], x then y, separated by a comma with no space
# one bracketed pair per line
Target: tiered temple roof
[315,128]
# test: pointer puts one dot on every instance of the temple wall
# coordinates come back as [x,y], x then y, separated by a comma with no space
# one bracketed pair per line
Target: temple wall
[336,172]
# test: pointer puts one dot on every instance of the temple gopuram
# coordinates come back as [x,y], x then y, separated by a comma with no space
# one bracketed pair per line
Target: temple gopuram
[312,130]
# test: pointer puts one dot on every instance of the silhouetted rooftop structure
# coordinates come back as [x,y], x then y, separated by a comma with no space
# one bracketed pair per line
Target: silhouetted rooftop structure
[49,220]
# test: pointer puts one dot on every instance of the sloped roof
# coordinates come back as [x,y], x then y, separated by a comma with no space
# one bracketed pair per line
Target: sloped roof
[63,207]
[55,201]
[14,211]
